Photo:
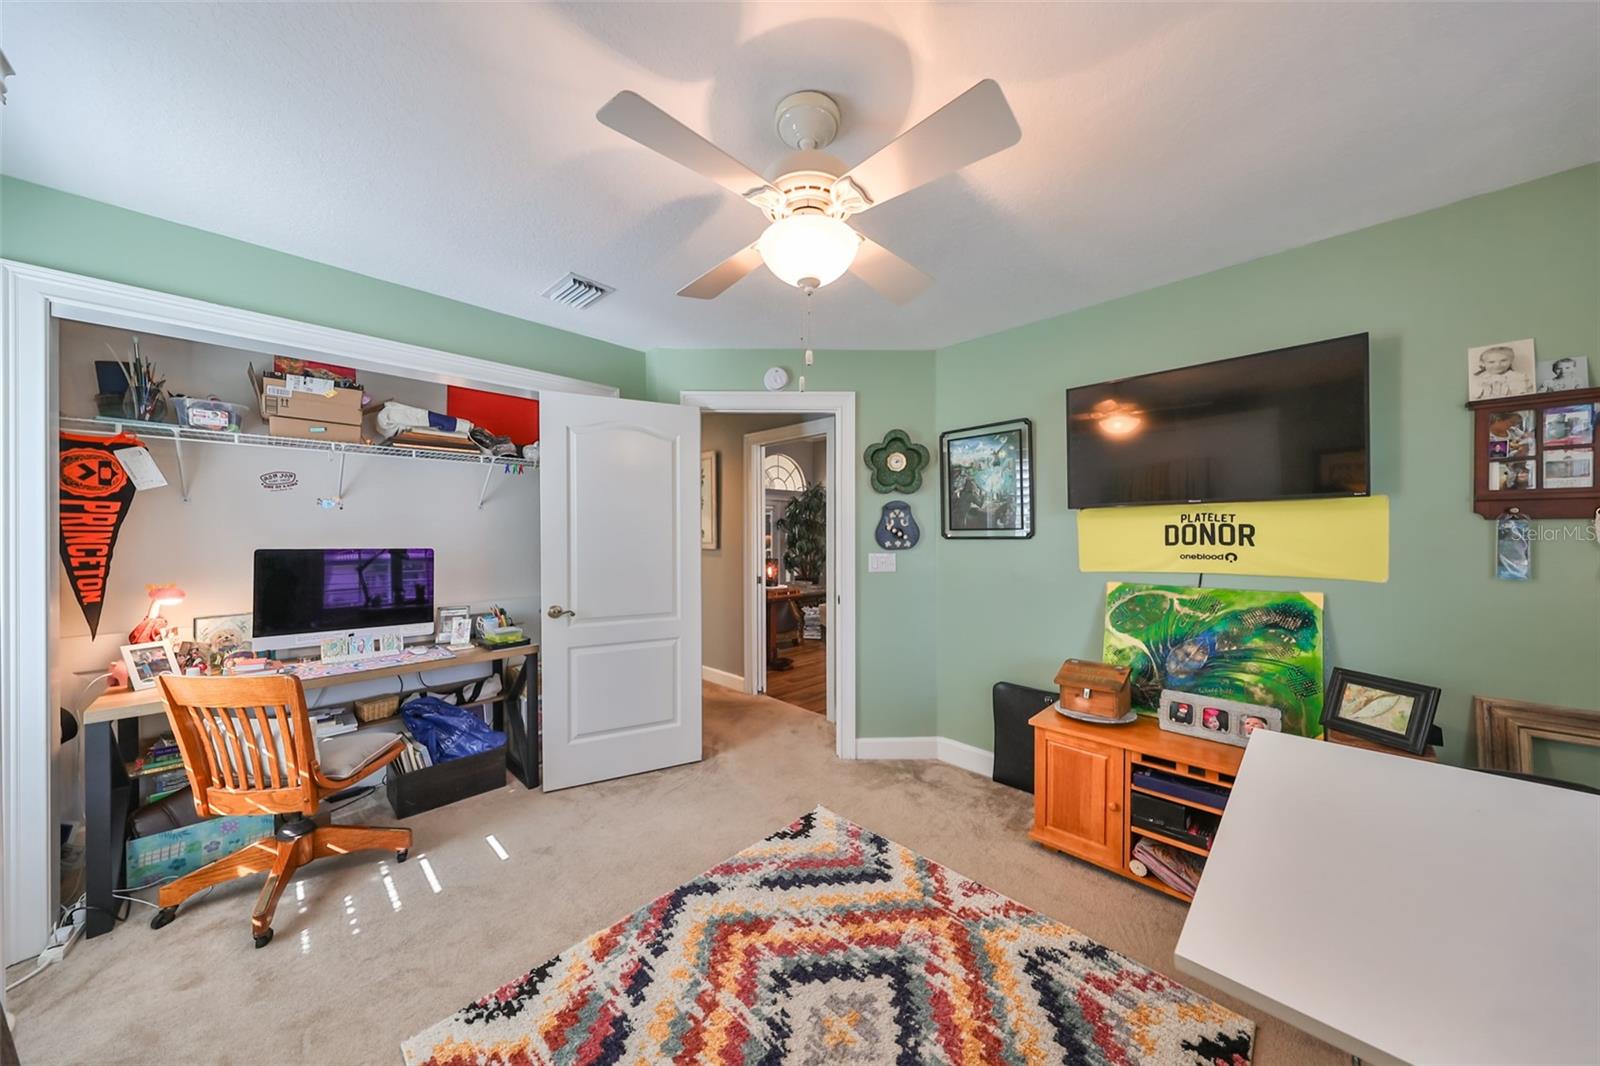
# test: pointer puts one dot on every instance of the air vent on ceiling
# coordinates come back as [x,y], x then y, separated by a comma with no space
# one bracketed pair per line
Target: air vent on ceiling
[573,291]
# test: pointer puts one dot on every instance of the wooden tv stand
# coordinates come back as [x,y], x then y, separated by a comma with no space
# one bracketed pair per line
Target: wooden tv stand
[1083,788]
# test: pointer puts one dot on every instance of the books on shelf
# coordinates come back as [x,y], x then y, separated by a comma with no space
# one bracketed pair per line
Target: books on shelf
[414,757]
[1174,868]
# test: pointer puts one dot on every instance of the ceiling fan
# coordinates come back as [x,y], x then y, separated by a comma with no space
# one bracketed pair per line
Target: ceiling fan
[808,243]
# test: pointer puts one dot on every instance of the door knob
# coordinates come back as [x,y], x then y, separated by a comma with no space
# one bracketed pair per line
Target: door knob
[557,611]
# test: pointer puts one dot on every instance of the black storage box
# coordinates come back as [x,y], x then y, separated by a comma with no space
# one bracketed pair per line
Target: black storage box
[415,791]
[1161,815]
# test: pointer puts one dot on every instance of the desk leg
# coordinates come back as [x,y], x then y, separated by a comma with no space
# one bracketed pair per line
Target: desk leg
[522,732]
[106,823]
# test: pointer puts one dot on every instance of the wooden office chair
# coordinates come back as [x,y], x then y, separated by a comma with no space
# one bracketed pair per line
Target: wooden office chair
[249,748]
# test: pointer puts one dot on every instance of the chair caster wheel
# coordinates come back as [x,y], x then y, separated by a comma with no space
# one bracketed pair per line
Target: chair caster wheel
[264,939]
[163,917]
[402,856]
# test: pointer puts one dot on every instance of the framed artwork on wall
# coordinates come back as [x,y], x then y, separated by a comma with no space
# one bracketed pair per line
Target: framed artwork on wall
[986,481]
[1380,709]
[710,525]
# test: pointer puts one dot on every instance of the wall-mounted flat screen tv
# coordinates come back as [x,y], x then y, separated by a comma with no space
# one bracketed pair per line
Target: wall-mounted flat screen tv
[1277,425]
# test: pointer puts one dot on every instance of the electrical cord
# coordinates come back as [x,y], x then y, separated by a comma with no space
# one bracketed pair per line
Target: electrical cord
[37,970]
[360,794]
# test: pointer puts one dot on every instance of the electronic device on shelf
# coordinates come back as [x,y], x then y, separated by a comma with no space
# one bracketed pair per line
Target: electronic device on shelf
[367,597]
[1276,425]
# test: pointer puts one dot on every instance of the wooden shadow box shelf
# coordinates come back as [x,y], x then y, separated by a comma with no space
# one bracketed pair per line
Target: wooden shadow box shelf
[1083,787]
[1536,502]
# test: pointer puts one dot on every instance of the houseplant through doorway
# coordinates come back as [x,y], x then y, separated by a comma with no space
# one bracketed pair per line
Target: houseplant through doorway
[805,534]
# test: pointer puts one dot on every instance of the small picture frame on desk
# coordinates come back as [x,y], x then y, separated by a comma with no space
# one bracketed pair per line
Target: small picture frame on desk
[446,633]
[1396,714]
[146,662]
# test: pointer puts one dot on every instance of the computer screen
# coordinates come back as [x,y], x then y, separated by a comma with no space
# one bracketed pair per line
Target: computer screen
[306,591]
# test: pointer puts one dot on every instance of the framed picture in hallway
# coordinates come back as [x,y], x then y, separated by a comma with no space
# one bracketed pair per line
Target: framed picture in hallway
[710,526]
[986,480]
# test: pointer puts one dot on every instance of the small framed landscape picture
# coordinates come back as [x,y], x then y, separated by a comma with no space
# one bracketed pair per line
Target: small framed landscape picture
[1396,714]
[986,480]
[1500,371]
[146,662]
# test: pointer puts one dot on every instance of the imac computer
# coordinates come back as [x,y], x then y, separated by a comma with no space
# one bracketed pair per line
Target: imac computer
[304,596]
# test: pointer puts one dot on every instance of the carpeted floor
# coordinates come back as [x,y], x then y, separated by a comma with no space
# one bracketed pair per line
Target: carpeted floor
[377,954]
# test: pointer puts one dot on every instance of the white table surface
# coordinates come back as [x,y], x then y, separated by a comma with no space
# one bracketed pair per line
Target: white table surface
[1404,911]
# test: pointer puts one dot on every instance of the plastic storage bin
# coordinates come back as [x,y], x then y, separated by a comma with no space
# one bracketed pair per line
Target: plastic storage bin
[197,413]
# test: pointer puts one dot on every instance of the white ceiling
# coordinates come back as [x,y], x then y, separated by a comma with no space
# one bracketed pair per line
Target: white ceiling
[453,148]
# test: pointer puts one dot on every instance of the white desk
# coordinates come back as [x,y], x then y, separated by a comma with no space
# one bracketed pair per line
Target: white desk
[1404,911]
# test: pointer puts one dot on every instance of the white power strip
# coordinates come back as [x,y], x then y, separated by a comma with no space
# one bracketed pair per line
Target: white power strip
[63,938]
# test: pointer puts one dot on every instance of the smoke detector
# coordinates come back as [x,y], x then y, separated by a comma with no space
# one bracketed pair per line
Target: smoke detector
[576,292]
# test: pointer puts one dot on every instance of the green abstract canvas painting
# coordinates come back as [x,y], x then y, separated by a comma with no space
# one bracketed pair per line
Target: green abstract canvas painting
[1237,644]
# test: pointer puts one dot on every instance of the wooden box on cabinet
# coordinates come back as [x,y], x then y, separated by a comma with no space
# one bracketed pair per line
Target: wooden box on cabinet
[1083,784]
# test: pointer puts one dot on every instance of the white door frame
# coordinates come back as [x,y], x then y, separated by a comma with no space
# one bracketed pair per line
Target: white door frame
[841,522]
[33,299]
[755,614]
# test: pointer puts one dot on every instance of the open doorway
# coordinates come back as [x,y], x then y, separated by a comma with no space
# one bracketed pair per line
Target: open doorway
[799,443]
[786,533]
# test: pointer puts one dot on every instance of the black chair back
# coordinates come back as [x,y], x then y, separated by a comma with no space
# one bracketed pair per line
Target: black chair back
[1013,738]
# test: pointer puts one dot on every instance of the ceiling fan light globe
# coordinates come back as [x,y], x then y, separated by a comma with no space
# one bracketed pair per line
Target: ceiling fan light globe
[810,248]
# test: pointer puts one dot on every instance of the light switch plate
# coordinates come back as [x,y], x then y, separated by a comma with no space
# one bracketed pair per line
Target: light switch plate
[880,562]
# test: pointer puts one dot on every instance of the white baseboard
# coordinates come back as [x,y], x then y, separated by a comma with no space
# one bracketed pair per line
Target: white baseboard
[967,756]
[897,747]
[722,677]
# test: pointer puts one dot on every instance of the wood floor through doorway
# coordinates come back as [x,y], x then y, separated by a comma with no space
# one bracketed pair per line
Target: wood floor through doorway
[805,684]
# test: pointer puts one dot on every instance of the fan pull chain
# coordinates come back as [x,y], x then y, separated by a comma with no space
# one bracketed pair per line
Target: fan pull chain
[805,337]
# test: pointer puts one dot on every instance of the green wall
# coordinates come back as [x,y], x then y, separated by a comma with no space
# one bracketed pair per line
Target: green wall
[895,616]
[54,229]
[960,615]
[1521,262]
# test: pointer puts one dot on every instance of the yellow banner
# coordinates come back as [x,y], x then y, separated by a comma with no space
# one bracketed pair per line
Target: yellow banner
[1344,538]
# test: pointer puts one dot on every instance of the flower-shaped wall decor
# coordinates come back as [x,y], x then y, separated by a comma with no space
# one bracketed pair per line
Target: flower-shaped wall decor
[896,464]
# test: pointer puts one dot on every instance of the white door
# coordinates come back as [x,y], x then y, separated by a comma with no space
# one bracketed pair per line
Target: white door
[619,525]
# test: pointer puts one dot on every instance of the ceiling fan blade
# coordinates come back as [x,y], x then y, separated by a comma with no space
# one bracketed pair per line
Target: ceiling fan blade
[892,277]
[976,124]
[721,277]
[635,117]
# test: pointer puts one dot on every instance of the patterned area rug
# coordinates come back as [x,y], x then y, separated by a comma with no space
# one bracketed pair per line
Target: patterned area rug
[826,943]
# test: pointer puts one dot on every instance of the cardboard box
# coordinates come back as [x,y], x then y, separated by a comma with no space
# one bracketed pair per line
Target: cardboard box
[312,399]
[309,429]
